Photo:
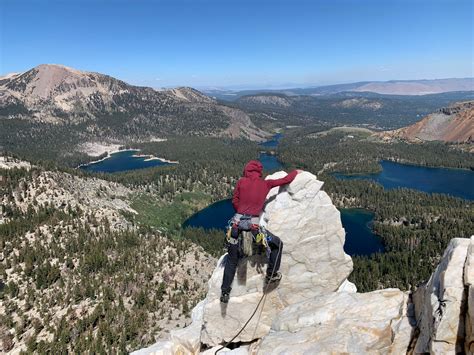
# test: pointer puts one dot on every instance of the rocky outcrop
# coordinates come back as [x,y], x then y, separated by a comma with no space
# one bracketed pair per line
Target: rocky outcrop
[375,322]
[469,284]
[441,304]
[315,309]
[313,262]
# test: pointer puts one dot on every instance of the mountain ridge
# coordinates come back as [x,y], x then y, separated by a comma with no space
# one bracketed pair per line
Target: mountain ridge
[454,124]
[57,94]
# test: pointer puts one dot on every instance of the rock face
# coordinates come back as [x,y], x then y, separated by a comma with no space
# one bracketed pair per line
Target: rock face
[313,262]
[440,304]
[374,322]
[469,283]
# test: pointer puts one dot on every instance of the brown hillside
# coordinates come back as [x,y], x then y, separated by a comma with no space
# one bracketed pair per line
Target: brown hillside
[451,124]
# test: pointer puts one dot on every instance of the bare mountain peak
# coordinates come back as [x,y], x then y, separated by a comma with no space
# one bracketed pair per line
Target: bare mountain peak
[58,67]
[49,88]
[59,94]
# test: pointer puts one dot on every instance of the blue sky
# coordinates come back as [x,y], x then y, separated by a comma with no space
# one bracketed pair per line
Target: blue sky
[246,43]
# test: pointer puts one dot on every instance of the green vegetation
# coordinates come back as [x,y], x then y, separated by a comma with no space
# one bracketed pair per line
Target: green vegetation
[168,216]
[211,240]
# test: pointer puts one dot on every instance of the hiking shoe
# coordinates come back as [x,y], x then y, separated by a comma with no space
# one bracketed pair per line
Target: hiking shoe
[225,297]
[275,278]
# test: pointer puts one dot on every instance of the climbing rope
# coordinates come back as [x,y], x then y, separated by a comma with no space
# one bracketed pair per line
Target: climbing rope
[256,308]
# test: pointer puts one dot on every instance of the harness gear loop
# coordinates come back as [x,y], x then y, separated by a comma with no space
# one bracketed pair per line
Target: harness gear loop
[249,241]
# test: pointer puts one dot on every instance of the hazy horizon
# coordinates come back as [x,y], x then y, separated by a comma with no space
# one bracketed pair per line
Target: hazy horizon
[242,44]
[244,87]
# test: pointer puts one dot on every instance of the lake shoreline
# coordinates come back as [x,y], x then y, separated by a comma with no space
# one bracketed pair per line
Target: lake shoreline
[409,163]
[433,180]
[149,157]
[401,162]
[109,153]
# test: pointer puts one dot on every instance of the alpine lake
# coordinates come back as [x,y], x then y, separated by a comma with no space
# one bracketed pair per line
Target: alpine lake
[454,182]
[122,161]
[360,239]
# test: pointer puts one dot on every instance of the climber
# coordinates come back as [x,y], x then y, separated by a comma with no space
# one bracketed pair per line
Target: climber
[248,200]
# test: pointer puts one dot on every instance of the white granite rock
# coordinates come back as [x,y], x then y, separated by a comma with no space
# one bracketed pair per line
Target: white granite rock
[183,341]
[347,286]
[190,337]
[355,323]
[313,262]
[439,304]
[469,283]
[164,347]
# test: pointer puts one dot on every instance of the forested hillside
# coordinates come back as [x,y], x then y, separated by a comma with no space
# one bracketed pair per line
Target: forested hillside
[79,273]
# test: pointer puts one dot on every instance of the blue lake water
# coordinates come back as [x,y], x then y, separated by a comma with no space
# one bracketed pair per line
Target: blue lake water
[454,182]
[270,162]
[122,161]
[360,240]
[272,143]
[125,160]
[214,216]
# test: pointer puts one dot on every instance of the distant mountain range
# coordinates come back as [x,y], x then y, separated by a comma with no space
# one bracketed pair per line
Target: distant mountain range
[373,110]
[64,108]
[56,94]
[393,87]
[451,124]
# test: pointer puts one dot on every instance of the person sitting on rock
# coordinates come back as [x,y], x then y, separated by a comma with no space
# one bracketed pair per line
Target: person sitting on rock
[248,201]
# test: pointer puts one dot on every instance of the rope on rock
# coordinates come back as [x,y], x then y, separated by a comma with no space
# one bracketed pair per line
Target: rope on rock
[255,310]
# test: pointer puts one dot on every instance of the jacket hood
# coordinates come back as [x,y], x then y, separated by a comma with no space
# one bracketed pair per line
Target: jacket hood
[253,169]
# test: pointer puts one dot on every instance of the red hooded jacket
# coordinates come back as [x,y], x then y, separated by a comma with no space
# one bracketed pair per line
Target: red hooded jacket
[251,190]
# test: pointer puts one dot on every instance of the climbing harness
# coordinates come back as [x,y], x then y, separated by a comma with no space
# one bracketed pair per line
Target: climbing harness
[247,240]
[256,308]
